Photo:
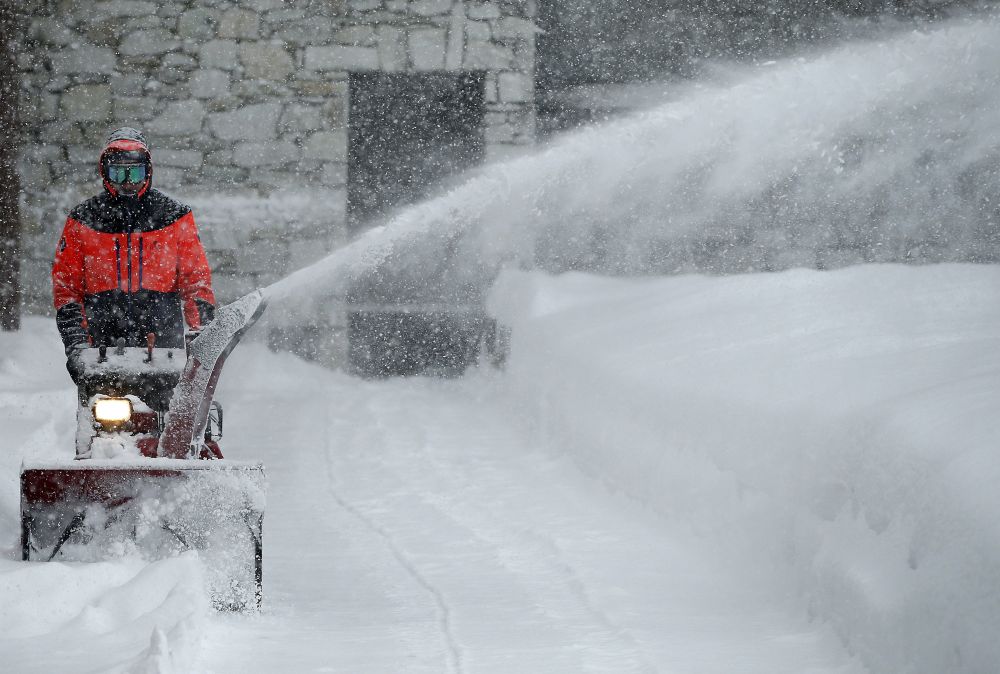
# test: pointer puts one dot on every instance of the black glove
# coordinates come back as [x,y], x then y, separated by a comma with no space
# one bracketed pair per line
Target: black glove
[206,312]
[74,361]
[69,320]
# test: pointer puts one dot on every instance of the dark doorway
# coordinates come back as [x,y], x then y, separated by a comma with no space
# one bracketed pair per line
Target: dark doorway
[408,134]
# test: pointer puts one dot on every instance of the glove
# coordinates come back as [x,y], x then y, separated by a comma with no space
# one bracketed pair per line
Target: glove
[206,312]
[74,361]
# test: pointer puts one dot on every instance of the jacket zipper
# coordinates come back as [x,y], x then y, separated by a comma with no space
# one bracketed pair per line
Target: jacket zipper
[118,262]
[128,249]
[140,263]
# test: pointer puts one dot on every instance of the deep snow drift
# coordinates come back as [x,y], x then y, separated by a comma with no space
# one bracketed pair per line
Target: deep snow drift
[807,443]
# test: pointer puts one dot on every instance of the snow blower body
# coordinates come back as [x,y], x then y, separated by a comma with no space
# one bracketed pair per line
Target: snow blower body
[148,477]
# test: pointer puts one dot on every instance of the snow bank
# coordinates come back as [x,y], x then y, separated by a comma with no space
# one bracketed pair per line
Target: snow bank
[832,433]
[125,616]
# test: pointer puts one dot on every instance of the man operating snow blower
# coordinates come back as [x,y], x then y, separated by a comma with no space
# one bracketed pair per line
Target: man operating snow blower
[145,347]
[129,262]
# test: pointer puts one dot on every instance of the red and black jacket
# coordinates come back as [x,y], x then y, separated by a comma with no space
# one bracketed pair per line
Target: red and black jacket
[128,267]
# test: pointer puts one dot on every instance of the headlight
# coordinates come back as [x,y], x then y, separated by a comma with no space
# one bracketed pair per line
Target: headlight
[113,411]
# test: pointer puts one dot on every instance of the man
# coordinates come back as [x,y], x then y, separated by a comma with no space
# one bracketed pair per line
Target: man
[129,261]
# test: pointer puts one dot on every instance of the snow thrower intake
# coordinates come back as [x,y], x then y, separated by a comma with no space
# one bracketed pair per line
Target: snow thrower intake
[149,477]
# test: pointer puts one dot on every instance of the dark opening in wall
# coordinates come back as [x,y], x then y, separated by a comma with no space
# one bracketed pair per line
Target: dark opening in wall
[408,133]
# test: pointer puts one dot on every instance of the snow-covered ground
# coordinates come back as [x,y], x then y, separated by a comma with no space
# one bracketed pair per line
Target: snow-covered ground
[789,472]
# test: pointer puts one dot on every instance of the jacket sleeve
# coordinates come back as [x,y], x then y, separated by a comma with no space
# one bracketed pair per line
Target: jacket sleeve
[67,286]
[194,278]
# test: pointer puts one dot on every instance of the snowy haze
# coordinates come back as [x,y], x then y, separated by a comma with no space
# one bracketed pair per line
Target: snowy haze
[788,472]
[876,151]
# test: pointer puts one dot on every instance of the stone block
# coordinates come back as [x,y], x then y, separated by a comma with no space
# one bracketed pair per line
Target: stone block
[180,118]
[341,57]
[178,61]
[426,47]
[134,110]
[334,174]
[169,177]
[478,31]
[300,119]
[455,49]
[499,133]
[315,88]
[81,154]
[262,257]
[93,133]
[221,54]
[190,159]
[222,157]
[121,8]
[171,11]
[501,152]
[259,91]
[358,36]
[524,56]
[326,145]
[523,124]
[252,122]
[143,23]
[46,106]
[56,84]
[198,24]
[128,85]
[516,87]
[84,59]
[106,33]
[514,28]
[264,60]
[391,48]
[267,153]
[148,43]
[264,5]
[364,5]
[34,175]
[239,23]
[86,102]
[309,31]
[482,10]
[50,30]
[209,84]
[430,7]
[487,56]
[336,109]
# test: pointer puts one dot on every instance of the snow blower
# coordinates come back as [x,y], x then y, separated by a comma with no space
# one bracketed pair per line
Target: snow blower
[149,477]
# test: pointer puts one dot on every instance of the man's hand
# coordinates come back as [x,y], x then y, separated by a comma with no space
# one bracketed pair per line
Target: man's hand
[206,312]
[190,335]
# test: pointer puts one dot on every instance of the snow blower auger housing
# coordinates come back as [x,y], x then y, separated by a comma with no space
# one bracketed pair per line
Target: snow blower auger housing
[149,477]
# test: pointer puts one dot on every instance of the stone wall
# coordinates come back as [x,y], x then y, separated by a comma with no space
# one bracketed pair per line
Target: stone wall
[245,106]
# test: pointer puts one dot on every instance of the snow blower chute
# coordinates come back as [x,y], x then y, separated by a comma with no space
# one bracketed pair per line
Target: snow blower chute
[148,477]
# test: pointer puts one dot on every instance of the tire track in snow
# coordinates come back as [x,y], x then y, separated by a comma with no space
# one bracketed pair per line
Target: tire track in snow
[453,653]
[542,548]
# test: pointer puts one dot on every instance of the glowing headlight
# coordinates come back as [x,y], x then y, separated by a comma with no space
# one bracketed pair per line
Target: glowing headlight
[113,410]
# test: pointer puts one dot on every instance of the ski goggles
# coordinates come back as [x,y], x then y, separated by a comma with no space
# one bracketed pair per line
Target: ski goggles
[126,173]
